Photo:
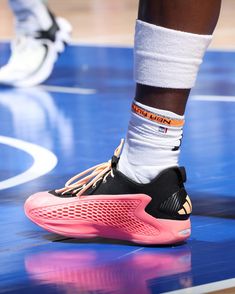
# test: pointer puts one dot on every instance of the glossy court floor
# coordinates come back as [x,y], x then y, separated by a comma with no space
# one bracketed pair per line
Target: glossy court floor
[74,121]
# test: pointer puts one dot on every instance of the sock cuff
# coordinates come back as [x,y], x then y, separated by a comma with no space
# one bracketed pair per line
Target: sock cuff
[150,146]
[167,58]
[160,116]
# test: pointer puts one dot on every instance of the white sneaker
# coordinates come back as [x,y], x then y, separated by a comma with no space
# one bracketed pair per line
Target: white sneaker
[33,57]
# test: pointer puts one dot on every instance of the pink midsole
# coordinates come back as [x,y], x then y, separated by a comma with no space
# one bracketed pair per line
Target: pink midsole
[165,231]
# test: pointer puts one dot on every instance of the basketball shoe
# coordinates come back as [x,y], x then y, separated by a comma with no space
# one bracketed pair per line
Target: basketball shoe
[102,201]
[33,55]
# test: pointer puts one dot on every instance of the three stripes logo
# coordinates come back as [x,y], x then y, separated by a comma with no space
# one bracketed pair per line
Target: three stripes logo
[179,203]
[187,207]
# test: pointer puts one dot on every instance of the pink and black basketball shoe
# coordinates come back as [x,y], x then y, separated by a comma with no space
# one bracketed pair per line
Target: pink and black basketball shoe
[102,201]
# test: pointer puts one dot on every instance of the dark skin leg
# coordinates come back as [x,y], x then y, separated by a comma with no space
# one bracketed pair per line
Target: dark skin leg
[194,16]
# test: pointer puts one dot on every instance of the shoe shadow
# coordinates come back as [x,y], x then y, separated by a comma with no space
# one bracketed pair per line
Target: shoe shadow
[99,240]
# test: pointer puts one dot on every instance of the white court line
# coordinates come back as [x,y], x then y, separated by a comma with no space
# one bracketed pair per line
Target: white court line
[43,162]
[213,98]
[206,288]
[68,90]
[130,253]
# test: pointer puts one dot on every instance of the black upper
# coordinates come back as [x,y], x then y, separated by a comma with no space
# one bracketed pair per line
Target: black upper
[166,190]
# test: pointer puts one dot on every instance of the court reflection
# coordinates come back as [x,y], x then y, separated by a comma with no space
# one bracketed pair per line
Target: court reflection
[111,271]
[32,114]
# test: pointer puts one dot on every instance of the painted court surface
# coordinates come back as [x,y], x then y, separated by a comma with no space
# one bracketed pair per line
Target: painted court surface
[74,121]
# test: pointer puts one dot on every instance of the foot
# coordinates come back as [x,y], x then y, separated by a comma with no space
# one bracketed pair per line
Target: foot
[33,56]
[106,203]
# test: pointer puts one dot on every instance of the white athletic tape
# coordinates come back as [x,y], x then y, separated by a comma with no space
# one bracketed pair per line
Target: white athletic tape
[167,58]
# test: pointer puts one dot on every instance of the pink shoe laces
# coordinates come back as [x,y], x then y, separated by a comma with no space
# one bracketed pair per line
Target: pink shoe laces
[81,182]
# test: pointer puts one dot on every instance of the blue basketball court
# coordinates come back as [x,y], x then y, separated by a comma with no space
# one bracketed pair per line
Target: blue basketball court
[74,121]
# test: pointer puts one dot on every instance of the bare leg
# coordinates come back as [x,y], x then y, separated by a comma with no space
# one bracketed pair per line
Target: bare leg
[170,41]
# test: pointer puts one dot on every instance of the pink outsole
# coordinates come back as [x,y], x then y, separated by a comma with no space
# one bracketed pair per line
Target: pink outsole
[153,231]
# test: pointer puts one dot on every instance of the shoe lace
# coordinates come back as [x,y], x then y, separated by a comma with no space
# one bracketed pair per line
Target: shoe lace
[81,182]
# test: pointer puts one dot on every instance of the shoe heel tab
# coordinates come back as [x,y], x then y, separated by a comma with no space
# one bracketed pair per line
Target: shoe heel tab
[182,174]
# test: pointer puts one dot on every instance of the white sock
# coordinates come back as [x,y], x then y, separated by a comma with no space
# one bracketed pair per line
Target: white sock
[163,58]
[152,143]
[31,16]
